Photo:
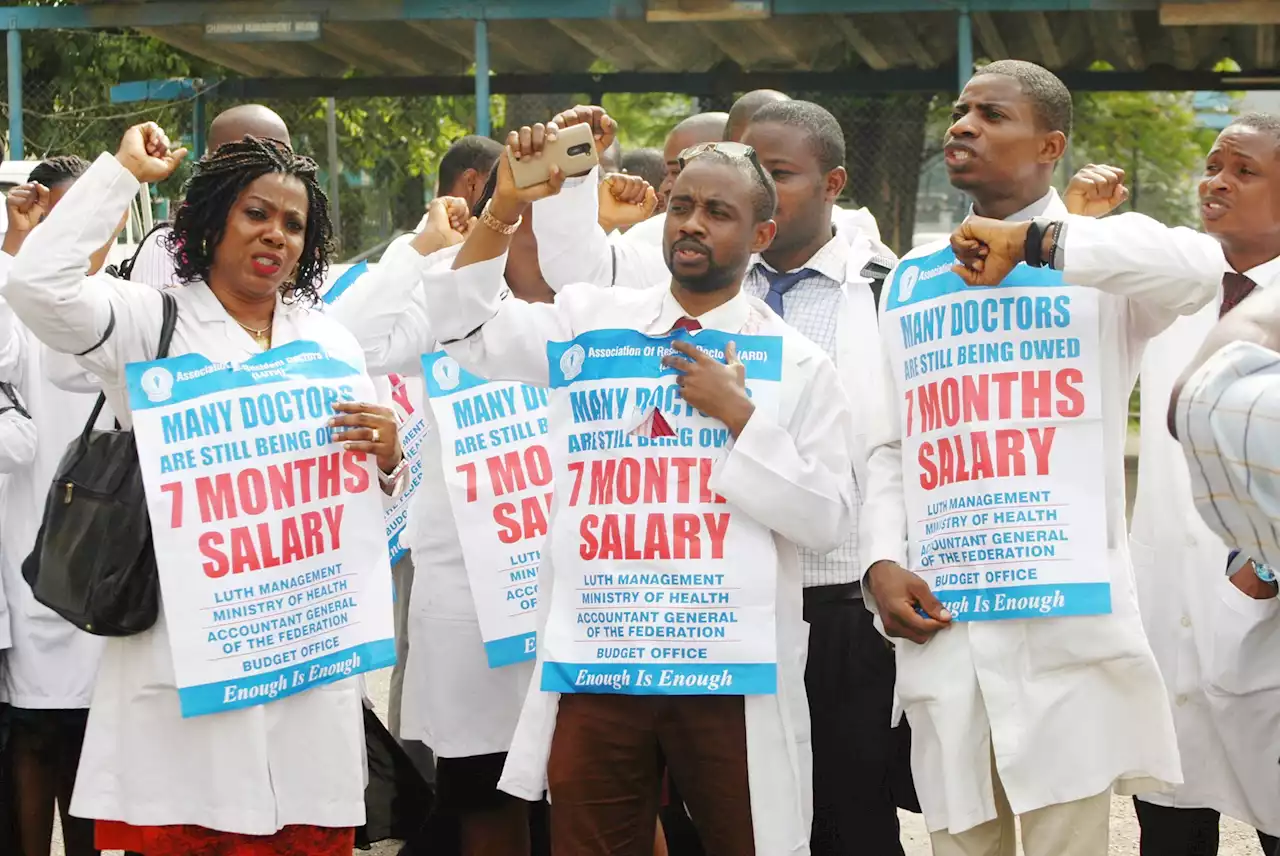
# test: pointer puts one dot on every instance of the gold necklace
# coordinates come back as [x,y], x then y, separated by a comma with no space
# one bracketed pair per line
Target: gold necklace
[262,337]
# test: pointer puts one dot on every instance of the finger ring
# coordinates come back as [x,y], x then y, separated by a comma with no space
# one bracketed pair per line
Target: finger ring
[376,435]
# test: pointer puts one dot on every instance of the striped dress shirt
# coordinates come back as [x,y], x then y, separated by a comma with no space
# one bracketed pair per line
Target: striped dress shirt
[812,307]
[1228,422]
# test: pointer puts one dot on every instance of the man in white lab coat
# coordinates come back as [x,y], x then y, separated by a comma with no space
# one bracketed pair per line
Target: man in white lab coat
[1193,613]
[815,277]
[1038,714]
[746,778]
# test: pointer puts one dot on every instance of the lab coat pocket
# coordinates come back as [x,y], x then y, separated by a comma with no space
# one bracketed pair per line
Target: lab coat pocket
[1064,644]
[1246,633]
[924,670]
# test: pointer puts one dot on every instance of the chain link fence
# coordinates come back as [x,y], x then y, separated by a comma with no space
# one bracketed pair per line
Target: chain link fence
[389,148]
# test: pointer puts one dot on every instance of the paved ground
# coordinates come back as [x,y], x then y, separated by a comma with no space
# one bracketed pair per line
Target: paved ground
[1236,838]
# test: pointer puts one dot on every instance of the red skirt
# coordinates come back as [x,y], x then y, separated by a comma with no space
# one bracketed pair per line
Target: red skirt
[198,841]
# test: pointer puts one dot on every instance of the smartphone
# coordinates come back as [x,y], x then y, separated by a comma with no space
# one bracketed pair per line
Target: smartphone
[573,150]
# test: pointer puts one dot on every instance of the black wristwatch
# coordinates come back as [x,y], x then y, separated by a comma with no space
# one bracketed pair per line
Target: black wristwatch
[1033,252]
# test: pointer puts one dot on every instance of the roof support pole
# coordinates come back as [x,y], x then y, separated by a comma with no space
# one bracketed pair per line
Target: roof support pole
[964,47]
[482,77]
[14,49]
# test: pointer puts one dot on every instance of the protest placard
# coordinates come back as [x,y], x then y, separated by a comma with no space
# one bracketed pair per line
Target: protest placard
[1000,402]
[498,475]
[661,586]
[413,427]
[269,536]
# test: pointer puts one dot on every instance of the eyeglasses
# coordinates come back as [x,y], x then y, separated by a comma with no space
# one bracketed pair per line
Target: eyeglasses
[728,149]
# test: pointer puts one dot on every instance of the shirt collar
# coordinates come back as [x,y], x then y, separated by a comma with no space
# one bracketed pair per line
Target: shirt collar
[1266,275]
[831,260]
[728,317]
[1047,205]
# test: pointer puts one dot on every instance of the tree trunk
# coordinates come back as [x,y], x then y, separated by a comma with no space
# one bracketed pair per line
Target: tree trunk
[884,139]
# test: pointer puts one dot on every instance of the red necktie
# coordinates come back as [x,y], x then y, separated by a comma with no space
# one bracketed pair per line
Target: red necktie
[1235,288]
[661,428]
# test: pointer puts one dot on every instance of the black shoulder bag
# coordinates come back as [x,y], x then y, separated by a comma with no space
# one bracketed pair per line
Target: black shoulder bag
[93,562]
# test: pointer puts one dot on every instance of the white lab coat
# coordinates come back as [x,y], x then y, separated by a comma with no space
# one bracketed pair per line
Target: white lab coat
[792,475]
[17,449]
[453,702]
[572,248]
[1200,624]
[1073,705]
[53,664]
[298,760]
[17,452]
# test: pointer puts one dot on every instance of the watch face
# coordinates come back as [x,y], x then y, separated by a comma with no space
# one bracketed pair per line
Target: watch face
[1264,572]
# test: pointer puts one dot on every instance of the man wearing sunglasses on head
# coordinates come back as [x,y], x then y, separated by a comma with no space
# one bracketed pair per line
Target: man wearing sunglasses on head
[820,274]
[739,754]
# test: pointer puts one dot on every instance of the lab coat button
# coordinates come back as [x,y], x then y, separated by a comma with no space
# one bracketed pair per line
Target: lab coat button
[1180,700]
[1186,621]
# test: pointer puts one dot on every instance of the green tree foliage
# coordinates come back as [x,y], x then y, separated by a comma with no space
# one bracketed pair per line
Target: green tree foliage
[645,119]
[1154,137]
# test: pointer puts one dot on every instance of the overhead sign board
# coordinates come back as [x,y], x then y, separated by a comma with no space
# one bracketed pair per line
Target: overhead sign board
[706,10]
[282,29]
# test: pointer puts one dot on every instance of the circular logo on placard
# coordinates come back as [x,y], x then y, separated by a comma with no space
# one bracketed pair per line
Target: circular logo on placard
[157,383]
[447,373]
[907,283]
[571,362]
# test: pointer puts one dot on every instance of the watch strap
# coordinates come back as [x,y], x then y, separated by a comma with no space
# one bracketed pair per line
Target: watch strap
[1033,251]
[390,478]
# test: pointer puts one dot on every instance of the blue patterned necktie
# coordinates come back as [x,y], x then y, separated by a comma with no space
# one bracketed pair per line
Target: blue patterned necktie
[780,284]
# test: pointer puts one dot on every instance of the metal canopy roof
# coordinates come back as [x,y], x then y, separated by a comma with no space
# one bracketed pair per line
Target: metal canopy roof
[335,38]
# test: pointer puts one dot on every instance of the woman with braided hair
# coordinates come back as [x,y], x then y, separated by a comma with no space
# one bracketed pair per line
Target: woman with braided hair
[252,242]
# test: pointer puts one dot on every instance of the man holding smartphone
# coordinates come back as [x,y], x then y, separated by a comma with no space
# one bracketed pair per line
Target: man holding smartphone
[738,750]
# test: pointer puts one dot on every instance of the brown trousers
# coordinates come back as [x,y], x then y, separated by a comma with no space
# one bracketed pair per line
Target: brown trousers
[605,772]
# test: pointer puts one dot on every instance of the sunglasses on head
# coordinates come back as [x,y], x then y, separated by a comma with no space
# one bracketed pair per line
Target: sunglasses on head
[733,150]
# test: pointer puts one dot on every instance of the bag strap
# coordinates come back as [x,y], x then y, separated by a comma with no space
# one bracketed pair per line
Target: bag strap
[124,270]
[106,334]
[12,394]
[168,322]
[877,269]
